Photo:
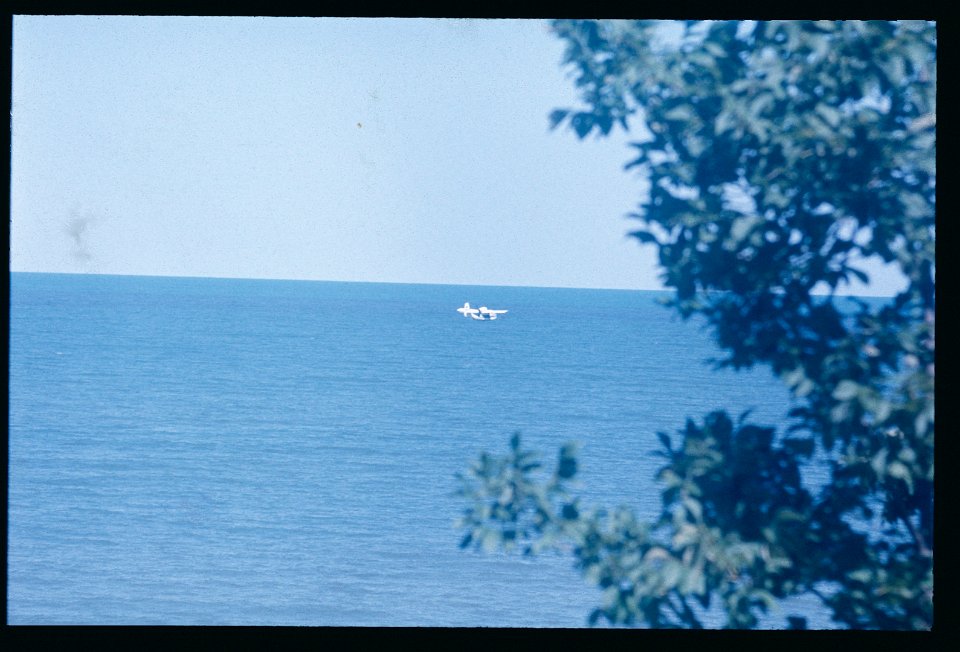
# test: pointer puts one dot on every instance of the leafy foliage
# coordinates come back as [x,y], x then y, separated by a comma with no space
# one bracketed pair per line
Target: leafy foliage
[780,155]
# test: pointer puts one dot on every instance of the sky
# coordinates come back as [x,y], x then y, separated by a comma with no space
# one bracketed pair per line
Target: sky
[343,149]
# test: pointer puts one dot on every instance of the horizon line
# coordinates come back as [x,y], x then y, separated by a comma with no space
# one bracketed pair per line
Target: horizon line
[840,293]
[318,280]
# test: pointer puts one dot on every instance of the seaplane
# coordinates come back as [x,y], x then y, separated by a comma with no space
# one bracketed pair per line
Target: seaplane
[480,314]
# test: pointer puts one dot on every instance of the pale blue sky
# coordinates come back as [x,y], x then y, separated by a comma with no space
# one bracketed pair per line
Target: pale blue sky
[395,150]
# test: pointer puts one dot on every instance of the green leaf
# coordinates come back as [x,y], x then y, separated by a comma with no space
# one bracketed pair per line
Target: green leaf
[582,123]
[686,534]
[682,113]
[828,113]
[694,508]
[793,377]
[489,540]
[567,465]
[655,553]
[669,477]
[900,471]
[924,419]
[805,387]
[881,410]
[846,390]
[725,121]
[557,116]
[645,237]
[670,576]
[742,226]
[664,440]
[694,582]
[861,575]
[895,69]
[595,615]
[715,49]
[760,104]
[879,461]
[767,601]
[861,276]
[839,413]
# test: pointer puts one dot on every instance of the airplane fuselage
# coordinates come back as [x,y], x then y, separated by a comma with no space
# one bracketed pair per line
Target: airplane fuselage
[480,314]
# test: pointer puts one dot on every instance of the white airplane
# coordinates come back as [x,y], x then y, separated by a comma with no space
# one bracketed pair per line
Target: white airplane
[481,314]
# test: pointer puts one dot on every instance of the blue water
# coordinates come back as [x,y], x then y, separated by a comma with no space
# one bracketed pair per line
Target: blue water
[222,451]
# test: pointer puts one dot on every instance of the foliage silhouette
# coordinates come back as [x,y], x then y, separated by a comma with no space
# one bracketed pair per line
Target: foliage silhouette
[780,155]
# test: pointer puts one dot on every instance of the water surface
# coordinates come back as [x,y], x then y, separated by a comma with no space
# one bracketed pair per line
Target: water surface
[222,451]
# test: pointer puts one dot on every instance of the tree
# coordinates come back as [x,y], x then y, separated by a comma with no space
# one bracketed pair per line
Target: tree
[780,154]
